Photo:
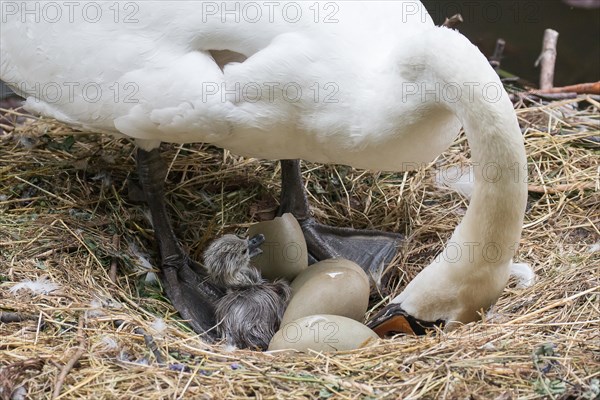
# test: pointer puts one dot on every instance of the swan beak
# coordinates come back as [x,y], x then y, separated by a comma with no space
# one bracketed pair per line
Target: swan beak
[254,244]
[393,319]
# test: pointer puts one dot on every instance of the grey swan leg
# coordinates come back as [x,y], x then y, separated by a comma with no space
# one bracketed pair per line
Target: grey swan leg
[185,285]
[372,250]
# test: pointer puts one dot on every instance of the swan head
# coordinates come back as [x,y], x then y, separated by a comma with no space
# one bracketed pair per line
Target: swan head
[228,260]
[444,295]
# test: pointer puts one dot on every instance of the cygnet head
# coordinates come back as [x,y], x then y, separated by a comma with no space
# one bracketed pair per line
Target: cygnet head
[228,260]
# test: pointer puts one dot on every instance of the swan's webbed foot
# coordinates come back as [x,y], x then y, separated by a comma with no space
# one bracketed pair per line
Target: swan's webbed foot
[393,319]
[192,295]
[370,249]
[184,281]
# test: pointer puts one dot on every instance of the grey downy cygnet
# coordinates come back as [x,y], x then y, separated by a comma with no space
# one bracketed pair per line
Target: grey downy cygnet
[250,312]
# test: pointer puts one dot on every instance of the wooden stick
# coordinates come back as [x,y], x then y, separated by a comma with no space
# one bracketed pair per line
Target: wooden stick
[496,58]
[552,94]
[148,340]
[9,316]
[580,88]
[560,188]
[151,344]
[69,365]
[7,128]
[547,59]
[11,376]
[114,263]
[453,21]
[557,303]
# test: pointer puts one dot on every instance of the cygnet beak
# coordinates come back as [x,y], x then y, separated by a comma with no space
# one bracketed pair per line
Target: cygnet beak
[254,244]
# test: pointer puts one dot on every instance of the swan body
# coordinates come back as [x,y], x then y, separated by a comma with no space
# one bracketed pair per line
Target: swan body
[382,88]
[161,74]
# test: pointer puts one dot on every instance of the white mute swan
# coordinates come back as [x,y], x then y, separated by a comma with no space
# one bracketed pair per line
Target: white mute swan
[368,84]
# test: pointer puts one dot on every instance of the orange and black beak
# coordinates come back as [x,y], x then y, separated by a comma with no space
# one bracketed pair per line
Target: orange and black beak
[393,319]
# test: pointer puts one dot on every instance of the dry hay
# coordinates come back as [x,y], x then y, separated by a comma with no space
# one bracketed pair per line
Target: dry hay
[65,213]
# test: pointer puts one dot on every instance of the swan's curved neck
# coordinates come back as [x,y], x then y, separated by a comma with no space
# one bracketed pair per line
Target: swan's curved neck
[490,231]
[493,222]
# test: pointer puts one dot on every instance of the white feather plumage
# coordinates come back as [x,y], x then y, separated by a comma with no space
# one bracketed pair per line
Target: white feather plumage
[402,89]
[42,285]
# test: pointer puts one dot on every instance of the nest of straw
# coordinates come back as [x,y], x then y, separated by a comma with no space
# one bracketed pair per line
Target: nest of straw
[68,215]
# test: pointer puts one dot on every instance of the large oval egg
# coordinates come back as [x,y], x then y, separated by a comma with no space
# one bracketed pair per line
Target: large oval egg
[322,333]
[326,265]
[284,252]
[337,287]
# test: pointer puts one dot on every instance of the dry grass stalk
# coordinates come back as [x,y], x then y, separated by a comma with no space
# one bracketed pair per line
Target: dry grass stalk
[80,350]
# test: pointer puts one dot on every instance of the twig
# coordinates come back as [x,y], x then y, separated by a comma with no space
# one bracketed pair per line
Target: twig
[535,96]
[113,264]
[69,202]
[557,303]
[554,96]
[8,317]
[496,58]
[453,21]
[151,344]
[50,252]
[580,88]
[148,339]
[11,376]
[7,128]
[560,188]
[547,59]
[19,112]
[69,365]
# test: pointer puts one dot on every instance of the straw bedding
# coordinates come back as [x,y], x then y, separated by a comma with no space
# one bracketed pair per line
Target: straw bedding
[68,217]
